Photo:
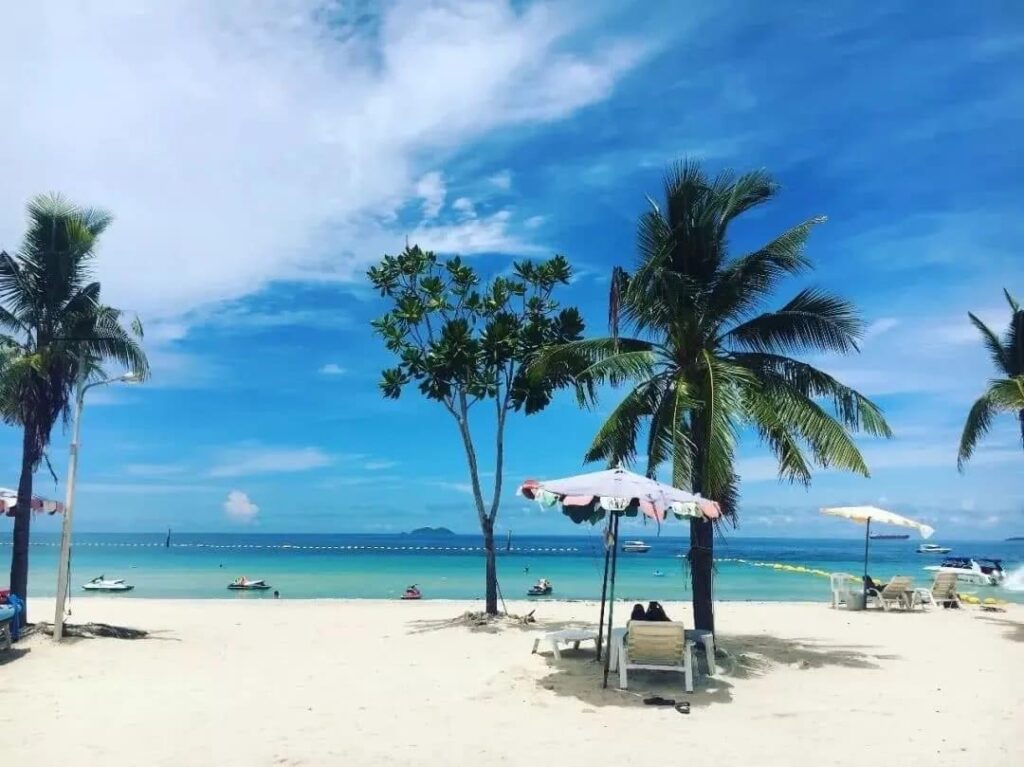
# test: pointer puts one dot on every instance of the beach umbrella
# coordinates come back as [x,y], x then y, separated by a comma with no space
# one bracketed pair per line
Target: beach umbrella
[9,500]
[616,493]
[868,514]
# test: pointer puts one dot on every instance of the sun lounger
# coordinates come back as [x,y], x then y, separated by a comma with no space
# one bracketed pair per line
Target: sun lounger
[575,636]
[943,592]
[899,592]
[656,646]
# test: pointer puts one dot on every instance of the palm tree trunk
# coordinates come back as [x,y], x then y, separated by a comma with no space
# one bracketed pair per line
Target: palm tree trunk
[491,576]
[22,520]
[702,542]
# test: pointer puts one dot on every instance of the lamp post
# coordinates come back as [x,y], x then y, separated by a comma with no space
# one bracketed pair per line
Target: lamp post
[64,563]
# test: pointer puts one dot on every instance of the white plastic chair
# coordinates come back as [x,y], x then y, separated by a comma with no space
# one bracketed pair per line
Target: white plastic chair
[656,646]
[840,585]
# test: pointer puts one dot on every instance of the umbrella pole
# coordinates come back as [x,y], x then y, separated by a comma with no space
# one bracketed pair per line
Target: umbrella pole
[611,597]
[604,590]
[867,539]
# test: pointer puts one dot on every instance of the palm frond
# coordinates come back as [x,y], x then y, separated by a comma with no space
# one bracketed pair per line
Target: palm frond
[979,421]
[992,343]
[1014,306]
[812,320]
[855,411]
[615,441]
[746,280]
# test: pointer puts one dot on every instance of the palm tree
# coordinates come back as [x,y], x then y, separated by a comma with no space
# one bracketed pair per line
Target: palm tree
[58,335]
[706,359]
[1004,394]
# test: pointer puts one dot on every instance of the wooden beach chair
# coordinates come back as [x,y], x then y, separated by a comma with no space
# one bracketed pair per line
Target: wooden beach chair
[943,592]
[656,646]
[899,592]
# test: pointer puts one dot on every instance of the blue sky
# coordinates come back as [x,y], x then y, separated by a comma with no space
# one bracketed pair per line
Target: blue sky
[257,160]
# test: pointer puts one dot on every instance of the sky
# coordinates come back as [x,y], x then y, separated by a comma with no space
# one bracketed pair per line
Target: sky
[259,157]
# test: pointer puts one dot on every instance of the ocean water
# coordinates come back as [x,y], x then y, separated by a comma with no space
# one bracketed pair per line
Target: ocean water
[200,566]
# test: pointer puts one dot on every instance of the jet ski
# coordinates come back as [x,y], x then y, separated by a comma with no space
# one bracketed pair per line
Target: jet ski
[102,583]
[412,592]
[541,588]
[244,584]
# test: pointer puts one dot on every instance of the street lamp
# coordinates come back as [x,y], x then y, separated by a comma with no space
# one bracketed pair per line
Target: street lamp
[64,563]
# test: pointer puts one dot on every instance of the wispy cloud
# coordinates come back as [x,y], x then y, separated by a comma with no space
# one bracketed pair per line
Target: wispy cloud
[502,180]
[379,465]
[255,459]
[332,369]
[153,469]
[194,168]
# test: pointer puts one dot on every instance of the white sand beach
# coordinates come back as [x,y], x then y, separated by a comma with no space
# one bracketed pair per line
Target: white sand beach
[262,682]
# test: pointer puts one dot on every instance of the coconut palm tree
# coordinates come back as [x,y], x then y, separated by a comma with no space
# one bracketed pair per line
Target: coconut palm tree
[1004,394]
[58,334]
[707,360]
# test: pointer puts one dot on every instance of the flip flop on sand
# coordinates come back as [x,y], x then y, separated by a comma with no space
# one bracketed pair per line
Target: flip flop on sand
[657,700]
[684,707]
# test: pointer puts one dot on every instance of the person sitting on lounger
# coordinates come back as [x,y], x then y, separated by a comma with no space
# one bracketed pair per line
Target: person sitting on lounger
[871,584]
[638,613]
[655,612]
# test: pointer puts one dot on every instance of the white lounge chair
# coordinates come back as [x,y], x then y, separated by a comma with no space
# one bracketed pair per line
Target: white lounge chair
[840,585]
[656,646]
[942,592]
[575,636]
[899,592]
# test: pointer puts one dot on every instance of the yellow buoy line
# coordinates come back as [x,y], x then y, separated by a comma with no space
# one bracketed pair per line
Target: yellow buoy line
[781,566]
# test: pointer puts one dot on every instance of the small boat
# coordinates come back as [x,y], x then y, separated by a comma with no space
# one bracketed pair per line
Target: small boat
[242,583]
[102,583]
[658,574]
[889,536]
[541,588]
[412,592]
[978,572]
[635,547]
[933,548]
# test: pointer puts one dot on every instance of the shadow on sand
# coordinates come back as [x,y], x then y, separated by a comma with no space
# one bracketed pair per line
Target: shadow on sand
[478,624]
[1014,629]
[11,655]
[579,675]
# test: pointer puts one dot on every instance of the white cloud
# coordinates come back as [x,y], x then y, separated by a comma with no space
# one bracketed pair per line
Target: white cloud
[534,222]
[241,143]
[431,189]
[255,459]
[502,180]
[880,327]
[464,207]
[239,508]
[153,469]
[332,369]
[490,234]
[378,465]
[459,487]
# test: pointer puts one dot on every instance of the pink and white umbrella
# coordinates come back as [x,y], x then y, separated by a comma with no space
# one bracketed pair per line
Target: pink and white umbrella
[9,500]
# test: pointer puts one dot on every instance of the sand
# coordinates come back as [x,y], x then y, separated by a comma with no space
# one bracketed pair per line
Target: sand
[262,682]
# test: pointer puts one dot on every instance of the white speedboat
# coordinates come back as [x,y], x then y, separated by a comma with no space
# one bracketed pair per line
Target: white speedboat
[635,547]
[102,583]
[933,548]
[977,572]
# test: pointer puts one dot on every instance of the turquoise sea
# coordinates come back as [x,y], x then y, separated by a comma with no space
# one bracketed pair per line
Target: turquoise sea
[200,566]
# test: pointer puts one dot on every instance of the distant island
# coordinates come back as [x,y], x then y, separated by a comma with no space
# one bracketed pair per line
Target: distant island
[431,531]
[1016,538]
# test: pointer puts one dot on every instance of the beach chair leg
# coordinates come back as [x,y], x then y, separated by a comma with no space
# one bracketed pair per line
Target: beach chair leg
[555,650]
[623,679]
[709,652]
[5,634]
[688,667]
[575,645]
[536,643]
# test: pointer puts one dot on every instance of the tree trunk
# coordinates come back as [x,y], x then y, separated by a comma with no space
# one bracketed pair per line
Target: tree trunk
[491,567]
[702,542]
[22,521]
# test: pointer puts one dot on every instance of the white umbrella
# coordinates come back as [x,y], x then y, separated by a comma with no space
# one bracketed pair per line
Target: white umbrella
[586,497]
[616,489]
[869,514]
